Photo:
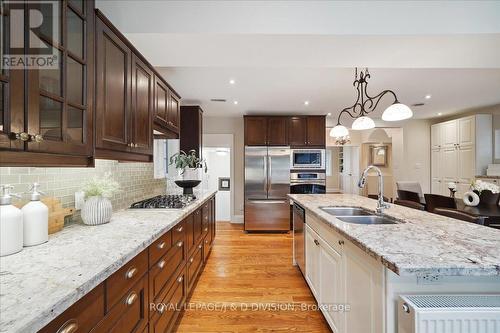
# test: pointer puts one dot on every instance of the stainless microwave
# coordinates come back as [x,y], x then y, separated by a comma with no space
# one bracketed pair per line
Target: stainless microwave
[307,159]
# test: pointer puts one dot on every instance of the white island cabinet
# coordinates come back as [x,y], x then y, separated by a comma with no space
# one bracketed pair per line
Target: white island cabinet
[347,283]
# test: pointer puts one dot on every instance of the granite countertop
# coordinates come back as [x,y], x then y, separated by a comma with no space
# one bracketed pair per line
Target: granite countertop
[423,244]
[40,282]
[488,177]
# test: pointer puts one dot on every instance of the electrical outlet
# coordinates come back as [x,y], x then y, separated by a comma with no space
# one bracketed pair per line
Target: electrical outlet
[79,200]
[429,279]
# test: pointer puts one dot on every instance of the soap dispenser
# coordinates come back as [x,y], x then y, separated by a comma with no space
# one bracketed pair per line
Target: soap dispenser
[11,223]
[35,219]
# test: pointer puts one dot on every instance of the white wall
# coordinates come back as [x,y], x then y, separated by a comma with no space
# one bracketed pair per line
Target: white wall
[234,126]
[219,165]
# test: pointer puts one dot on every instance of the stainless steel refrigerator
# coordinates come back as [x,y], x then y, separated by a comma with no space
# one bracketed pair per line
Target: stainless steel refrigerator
[267,183]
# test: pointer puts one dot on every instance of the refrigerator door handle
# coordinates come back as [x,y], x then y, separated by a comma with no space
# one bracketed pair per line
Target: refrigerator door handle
[267,201]
[266,175]
[270,174]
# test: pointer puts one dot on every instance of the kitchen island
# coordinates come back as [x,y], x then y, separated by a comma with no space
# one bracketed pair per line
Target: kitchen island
[367,267]
[41,282]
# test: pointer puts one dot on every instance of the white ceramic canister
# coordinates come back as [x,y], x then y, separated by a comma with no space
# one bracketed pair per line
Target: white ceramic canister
[11,223]
[35,220]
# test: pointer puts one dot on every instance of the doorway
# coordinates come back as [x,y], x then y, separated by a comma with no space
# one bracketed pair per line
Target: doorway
[218,154]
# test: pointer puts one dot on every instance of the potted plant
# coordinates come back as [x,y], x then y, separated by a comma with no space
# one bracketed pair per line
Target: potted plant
[188,164]
[97,208]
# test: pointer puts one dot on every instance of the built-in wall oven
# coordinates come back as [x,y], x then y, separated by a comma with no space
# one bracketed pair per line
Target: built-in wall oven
[308,182]
[307,159]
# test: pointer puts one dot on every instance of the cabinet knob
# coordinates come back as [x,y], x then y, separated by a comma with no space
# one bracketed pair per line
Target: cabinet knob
[69,326]
[180,279]
[179,244]
[136,145]
[200,246]
[161,245]
[23,136]
[131,298]
[37,138]
[316,242]
[131,272]
[206,229]
[191,260]
[341,242]
[179,229]
[161,264]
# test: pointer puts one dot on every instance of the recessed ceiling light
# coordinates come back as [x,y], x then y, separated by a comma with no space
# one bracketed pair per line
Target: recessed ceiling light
[440,113]
[235,102]
[306,102]
[232,81]
[329,114]
[428,96]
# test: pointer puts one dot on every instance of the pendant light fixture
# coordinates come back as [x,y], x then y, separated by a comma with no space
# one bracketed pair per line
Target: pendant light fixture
[366,104]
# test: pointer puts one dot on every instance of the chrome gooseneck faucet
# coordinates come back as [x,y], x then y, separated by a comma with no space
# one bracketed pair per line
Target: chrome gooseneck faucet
[381,205]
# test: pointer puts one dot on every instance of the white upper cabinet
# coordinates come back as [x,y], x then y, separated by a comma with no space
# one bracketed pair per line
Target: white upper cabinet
[466,131]
[436,136]
[449,134]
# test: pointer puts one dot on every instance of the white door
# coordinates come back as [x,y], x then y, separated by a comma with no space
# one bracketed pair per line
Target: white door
[466,131]
[331,286]
[351,170]
[364,292]
[449,134]
[436,171]
[312,261]
[466,168]
[436,136]
[449,165]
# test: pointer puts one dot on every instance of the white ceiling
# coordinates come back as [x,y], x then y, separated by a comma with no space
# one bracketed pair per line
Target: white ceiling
[282,53]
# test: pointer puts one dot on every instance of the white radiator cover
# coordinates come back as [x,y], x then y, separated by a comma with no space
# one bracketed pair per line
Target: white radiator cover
[449,314]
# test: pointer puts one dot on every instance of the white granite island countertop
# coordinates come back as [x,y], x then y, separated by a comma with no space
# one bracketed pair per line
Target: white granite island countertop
[40,282]
[422,244]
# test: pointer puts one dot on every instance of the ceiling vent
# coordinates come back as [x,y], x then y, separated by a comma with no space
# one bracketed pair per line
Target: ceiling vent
[222,100]
[418,104]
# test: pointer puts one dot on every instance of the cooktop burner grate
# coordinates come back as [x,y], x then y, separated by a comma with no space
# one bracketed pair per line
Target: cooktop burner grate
[165,201]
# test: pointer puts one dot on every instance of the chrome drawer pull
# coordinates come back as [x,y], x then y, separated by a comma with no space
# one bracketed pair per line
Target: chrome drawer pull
[180,279]
[161,264]
[179,229]
[70,326]
[131,298]
[179,244]
[131,272]
[191,260]
[161,245]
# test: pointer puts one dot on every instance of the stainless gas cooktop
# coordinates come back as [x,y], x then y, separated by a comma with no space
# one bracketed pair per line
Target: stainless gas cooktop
[165,201]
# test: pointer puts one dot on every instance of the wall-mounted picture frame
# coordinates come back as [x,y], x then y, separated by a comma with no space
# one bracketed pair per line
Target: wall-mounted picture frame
[378,155]
[224,184]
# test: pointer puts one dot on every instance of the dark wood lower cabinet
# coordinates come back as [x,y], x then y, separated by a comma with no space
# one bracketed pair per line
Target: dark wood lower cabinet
[148,293]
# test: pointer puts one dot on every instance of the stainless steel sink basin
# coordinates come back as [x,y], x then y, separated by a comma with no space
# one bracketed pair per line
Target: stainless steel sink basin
[346,211]
[372,219]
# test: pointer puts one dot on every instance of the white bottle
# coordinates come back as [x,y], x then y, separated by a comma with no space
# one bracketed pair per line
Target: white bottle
[35,219]
[11,224]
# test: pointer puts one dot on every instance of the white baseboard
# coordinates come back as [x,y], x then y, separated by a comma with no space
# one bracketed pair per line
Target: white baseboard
[238,219]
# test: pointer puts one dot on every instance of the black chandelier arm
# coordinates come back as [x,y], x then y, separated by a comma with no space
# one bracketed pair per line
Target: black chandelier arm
[346,110]
[371,107]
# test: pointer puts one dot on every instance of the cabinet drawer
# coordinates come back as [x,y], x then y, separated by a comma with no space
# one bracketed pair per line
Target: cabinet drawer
[163,271]
[82,316]
[178,232]
[170,305]
[194,264]
[333,238]
[160,247]
[130,314]
[121,281]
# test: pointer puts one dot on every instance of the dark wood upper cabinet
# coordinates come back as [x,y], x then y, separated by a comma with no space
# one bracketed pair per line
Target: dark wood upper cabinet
[167,107]
[191,137]
[255,131]
[47,114]
[316,131]
[277,131]
[142,107]
[174,112]
[113,90]
[297,131]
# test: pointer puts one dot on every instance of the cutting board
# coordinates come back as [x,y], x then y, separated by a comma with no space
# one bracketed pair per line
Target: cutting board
[56,213]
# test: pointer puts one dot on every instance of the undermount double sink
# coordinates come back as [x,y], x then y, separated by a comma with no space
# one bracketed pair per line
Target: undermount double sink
[356,215]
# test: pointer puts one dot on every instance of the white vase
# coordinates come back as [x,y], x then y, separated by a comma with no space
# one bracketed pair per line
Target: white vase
[97,210]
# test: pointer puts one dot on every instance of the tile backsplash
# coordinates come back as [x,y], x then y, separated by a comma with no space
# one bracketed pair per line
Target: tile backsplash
[136,181]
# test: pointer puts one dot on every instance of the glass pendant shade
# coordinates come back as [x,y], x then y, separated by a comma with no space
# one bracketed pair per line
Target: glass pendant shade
[339,131]
[396,112]
[363,123]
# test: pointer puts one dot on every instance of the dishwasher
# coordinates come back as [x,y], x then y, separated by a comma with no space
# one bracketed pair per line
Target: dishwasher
[299,220]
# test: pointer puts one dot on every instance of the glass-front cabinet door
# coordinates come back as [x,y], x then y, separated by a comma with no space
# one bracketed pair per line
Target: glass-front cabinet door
[59,99]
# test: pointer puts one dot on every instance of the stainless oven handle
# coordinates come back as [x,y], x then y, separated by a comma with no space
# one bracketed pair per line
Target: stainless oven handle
[305,183]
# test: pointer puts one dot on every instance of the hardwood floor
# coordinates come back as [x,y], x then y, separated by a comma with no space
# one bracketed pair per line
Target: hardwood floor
[245,272]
